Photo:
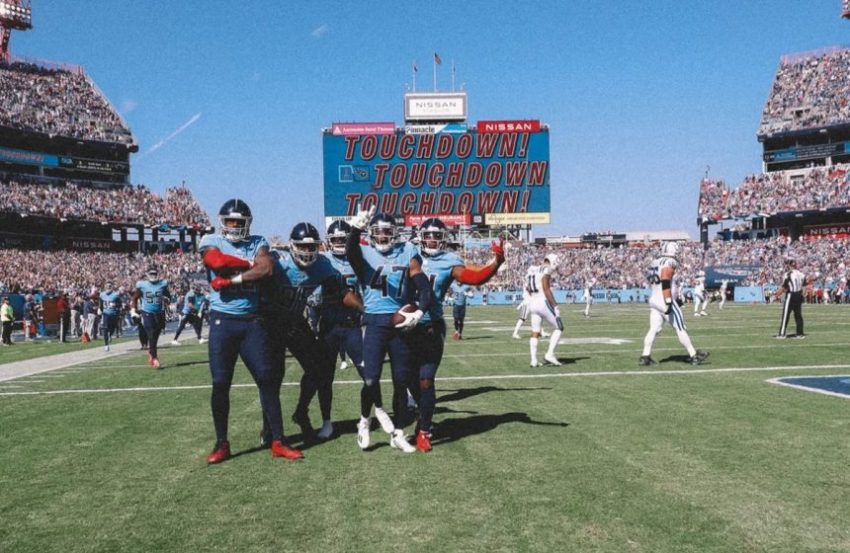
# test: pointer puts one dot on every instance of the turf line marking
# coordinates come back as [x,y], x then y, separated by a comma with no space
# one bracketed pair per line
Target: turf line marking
[670,372]
[808,389]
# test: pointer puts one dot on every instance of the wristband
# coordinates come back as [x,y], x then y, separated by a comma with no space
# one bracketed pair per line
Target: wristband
[237,279]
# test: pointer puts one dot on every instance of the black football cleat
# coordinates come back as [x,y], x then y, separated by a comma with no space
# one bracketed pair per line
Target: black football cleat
[646,361]
[698,358]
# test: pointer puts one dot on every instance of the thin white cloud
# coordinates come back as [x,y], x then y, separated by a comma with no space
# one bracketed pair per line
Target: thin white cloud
[192,120]
[320,31]
[128,105]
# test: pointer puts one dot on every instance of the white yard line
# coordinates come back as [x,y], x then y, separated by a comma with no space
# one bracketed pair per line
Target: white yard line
[662,372]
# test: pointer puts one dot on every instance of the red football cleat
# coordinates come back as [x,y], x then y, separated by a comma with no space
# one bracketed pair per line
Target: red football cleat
[220,454]
[155,363]
[423,441]
[150,359]
[279,449]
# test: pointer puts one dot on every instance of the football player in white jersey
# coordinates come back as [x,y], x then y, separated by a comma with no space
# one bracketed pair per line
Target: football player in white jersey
[724,285]
[588,297]
[542,305]
[700,300]
[663,307]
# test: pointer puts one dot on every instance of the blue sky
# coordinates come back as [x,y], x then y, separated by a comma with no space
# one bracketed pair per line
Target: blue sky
[641,97]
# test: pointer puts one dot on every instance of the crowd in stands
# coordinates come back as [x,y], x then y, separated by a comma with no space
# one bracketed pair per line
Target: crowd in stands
[57,102]
[613,268]
[626,267]
[808,91]
[54,272]
[79,200]
[777,192]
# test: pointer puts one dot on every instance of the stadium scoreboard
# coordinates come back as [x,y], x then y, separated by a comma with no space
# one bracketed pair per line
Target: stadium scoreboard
[495,173]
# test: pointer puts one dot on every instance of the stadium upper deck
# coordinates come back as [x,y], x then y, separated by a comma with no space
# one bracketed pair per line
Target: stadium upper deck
[810,90]
[58,102]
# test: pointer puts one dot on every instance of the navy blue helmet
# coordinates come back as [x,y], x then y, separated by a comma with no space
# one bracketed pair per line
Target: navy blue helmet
[338,232]
[304,244]
[238,211]
[432,236]
[383,232]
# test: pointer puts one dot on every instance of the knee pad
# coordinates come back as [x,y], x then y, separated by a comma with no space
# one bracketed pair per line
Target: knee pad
[426,383]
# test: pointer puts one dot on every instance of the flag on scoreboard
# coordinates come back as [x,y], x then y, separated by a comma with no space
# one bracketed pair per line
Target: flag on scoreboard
[437,59]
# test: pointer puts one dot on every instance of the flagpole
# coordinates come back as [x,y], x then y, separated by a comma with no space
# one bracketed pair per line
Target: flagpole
[453,75]
[414,76]
[434,61]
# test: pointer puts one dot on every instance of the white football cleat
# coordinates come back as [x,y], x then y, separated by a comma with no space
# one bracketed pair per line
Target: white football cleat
[398,441]
[363,437]
[326,431]
[385,420]
[535,363]
[202,340]
[106,348]
[516,336]
[175,343]
[552,360]
[343,365]
[544,334]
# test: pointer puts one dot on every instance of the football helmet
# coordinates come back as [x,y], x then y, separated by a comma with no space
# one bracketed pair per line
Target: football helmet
[671,249]
[383,232]
[552,259]
[152,273]
[304,244]
[432,236]
[235,210]
[337,235]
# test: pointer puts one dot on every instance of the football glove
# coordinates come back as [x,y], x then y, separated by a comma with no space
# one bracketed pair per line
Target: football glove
[220,282]
[410,319]
[362,219]
[669,307]
[134,314]
[498,248]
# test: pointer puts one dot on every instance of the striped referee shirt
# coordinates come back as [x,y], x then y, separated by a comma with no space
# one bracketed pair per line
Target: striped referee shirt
[794,281]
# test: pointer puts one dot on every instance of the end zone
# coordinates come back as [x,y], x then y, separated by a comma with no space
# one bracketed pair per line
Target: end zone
[833,385]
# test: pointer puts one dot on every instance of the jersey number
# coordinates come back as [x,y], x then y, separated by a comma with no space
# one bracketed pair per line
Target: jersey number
[379,280]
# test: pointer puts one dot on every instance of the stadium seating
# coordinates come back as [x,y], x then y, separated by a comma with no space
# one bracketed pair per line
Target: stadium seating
[777,192]
[82,201]
[57,102]
[809,90]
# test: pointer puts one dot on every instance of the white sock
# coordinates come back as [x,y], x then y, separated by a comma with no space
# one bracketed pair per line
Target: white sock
[532,343]
[685,340]
[553,341]
[518,325]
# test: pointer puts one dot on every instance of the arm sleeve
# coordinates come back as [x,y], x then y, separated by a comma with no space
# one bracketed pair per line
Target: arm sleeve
[354,253]
[426,294]
[477,276]
[215,260]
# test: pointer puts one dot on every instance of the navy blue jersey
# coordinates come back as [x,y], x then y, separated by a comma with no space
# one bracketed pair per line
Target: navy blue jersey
[438,268]
[385,281]
[240,299]
[332,308]
[152,295]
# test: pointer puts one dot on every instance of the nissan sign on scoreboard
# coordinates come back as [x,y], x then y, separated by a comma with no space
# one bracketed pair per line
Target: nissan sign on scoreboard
[497,177]
[435,106]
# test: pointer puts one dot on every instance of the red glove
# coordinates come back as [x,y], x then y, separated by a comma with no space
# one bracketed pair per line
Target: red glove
[220,282]
[215,260]
[498,248]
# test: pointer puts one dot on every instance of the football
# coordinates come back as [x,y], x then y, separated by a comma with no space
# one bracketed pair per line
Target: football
[398,318]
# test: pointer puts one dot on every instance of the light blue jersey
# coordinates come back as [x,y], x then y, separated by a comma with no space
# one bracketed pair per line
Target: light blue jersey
[241,299]
[385,280]
[111,302]
[333,310]
[438,268]
[192,303]
[459,292]
[152,294]
[293,285]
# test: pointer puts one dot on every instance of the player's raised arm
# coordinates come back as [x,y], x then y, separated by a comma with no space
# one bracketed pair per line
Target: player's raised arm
[353,251]
[477,275]
[262,267]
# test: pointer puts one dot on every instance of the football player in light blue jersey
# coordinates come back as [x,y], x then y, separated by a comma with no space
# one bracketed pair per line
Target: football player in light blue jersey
[191,313]
[385,270]
[149,296]
[298,275]
[109,306]
[460,292]
[426,339]
[237,262]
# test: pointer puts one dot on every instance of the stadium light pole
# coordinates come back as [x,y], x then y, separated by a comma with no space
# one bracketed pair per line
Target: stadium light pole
[14,15]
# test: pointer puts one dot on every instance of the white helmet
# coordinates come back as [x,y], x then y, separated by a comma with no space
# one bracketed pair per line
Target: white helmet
[552,259]
[671,249]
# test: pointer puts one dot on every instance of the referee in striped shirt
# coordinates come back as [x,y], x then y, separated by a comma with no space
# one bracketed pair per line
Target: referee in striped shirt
[793,282]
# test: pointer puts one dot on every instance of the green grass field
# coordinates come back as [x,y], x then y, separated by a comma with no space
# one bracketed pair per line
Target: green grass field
[596,455]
